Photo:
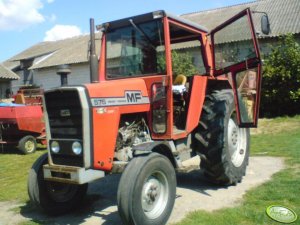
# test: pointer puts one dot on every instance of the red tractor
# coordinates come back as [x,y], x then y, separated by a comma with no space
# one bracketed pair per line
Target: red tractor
[141,116]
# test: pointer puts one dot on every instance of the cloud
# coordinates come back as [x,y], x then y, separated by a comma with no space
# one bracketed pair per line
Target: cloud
[19,14]
[52,18]
[50,1]
[59,32]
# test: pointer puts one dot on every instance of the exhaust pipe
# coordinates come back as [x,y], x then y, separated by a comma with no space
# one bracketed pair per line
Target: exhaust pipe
[93,57]
[63,71]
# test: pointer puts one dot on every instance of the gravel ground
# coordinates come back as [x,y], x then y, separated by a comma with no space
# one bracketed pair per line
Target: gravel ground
[193,193]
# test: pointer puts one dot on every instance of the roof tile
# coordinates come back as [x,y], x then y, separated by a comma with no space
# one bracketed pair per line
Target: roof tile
[5,73]
[284,15]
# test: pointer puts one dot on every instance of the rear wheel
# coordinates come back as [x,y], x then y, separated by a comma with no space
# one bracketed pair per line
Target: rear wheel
[27,144]
[147,190]
[224,147]
[53,197]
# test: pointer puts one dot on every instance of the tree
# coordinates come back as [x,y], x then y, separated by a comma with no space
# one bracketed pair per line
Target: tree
[281,79]
[182,63]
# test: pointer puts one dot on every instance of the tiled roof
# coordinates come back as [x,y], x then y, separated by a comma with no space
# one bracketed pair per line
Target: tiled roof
[71,51]
[12,65]
[52,53]
[5,73]
[284,15]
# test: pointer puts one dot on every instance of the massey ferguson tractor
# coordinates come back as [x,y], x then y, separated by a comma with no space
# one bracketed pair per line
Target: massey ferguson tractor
[141,117]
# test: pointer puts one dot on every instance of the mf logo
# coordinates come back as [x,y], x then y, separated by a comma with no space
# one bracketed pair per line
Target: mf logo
[133,96]
[65,113]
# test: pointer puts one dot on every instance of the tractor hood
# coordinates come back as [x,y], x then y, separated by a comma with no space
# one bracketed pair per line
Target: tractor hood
[118,93]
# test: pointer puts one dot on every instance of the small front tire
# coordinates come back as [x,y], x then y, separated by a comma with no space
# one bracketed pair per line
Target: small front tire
[53,197]
[27,145]
[147,191]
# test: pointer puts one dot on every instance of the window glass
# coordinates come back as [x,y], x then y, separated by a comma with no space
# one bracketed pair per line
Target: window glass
[159,108]
[186,52]
[135,50]
[246,83]
[233,44]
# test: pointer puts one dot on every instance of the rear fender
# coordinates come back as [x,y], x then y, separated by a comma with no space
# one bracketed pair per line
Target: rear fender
[196,102]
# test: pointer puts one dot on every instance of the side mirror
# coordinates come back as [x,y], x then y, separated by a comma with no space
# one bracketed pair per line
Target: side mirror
[265,24]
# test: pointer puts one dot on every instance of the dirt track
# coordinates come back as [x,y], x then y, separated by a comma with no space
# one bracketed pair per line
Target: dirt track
[193,193]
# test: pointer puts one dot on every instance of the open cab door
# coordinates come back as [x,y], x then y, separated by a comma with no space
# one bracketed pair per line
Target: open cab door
[236,55]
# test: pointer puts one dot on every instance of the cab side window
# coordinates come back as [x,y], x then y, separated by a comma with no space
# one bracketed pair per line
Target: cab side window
[186,52]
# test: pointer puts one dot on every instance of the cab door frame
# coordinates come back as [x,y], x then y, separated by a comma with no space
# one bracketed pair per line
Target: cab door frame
[231,71]
[198,89]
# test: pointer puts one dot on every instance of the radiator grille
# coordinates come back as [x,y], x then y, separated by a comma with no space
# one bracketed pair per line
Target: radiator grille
[65,120]
[65,114]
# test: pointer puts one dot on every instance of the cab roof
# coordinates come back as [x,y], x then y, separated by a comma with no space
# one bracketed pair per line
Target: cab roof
[148,17]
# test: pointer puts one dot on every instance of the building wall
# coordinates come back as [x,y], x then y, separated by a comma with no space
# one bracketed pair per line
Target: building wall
[16,83]
[47,78]
[4,85]
[267,43]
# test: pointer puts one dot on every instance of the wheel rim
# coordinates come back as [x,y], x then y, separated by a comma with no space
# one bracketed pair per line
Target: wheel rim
[60,192]
[155,194]
[237,143]
[29,146]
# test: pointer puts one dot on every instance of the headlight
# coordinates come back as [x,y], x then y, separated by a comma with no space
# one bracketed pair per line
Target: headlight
[76,148]
[55,147]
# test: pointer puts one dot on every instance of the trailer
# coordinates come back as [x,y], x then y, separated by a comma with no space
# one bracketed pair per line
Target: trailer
[21,123]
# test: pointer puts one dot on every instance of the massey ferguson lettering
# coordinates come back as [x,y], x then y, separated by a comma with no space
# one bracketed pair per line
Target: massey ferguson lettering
[129,98]
[133,97]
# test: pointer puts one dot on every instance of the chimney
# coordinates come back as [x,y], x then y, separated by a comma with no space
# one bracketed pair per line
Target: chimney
[63,71]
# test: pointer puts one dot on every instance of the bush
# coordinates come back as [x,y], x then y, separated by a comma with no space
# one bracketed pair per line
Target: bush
[182,63]
[281,79]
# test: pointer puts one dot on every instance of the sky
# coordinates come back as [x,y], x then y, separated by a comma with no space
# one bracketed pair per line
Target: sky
[24,23]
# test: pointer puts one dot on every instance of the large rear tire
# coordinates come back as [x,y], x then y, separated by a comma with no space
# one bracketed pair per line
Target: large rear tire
[53,197]
[224,147]
[147,191]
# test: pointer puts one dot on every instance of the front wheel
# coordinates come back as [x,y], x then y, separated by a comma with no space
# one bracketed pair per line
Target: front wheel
[147,191]
[53,197]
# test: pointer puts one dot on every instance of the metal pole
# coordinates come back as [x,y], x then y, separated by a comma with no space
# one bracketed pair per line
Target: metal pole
[93,56]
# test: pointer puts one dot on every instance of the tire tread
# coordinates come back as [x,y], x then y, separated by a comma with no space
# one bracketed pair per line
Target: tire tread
[214,161]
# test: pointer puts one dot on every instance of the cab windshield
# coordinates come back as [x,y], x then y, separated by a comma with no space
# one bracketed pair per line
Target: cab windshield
[135,50]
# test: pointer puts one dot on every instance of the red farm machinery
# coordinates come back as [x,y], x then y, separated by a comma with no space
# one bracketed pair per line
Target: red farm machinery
[21,122]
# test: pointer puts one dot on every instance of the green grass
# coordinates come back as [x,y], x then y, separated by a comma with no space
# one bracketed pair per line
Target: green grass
[278,137]
[14,168]
[283,189]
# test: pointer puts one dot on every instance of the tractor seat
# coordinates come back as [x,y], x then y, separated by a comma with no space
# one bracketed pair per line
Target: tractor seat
[179,84]
[180,80]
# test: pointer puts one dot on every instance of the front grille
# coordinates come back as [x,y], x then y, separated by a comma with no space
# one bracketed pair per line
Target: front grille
[67,160]
[65,121]
[65,114]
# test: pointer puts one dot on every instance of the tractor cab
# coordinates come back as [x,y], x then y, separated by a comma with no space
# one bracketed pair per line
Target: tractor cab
[176,58]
